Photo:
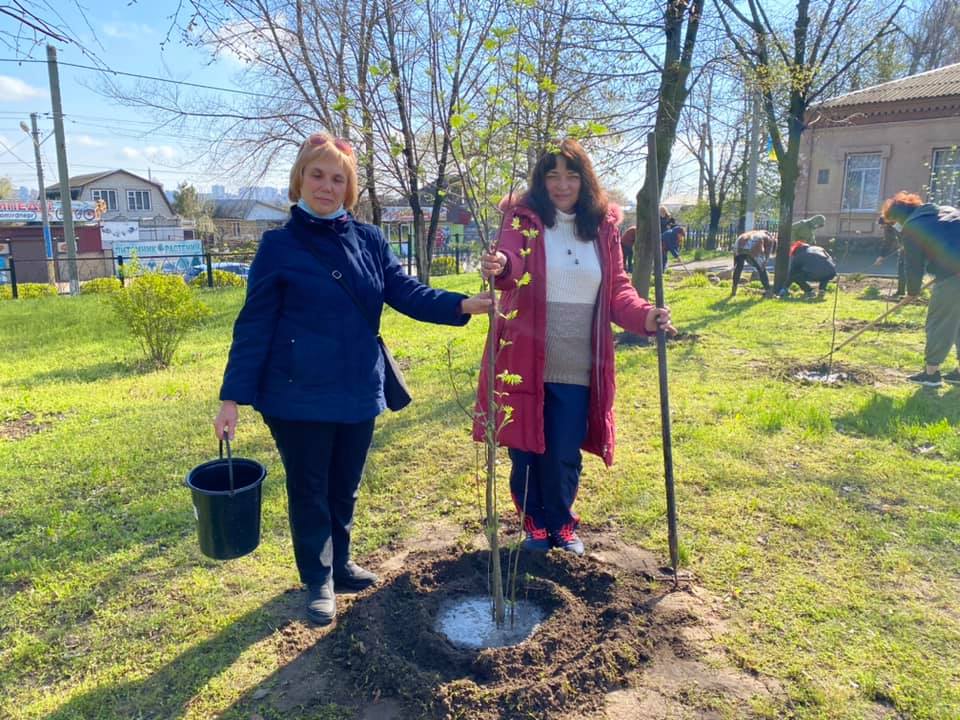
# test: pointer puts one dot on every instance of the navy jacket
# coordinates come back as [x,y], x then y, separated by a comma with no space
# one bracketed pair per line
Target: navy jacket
[301,348]
[931,241]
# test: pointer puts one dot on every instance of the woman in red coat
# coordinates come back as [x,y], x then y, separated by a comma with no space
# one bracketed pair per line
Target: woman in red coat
[559,268]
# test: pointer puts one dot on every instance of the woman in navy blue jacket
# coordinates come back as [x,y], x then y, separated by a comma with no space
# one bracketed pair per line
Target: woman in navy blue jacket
[305,356]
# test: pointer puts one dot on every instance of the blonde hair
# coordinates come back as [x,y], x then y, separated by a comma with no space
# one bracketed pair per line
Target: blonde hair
[323,146]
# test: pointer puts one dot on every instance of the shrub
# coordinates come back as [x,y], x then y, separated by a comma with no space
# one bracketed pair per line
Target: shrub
[101,286]
[159,309]
[221,279]
[28,291]
[871,292]
[443,266]
[696,280]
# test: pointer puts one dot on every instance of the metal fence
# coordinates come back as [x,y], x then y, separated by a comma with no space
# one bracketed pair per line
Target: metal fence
[698,236]
[464,258]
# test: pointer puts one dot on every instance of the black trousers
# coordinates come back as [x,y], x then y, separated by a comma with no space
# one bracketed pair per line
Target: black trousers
[324,464]
[738,262]
[801,279]
[901,273]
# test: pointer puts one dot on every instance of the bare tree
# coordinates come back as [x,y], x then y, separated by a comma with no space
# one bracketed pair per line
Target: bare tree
[792,76]
[714,132]
[932,35]
[40,22]
[679,25]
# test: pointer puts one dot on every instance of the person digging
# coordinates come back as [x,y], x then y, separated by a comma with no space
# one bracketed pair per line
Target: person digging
[931,243]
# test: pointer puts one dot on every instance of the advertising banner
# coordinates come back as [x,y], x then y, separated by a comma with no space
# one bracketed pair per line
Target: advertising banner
[168,257]
[31,211]
[118,232]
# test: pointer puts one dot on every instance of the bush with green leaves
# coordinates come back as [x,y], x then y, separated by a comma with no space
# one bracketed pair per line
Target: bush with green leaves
[28,291]
[221,279]
[159,309]
[101,286]
[443,266]
[697,279]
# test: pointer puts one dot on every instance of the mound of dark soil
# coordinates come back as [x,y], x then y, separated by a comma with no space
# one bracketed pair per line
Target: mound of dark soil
[597,630]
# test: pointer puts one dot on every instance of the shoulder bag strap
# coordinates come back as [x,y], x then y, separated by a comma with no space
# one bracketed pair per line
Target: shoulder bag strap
[338,276]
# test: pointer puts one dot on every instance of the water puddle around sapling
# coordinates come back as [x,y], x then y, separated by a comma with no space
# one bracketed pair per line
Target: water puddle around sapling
[817,376]
[835,375]
[468,623]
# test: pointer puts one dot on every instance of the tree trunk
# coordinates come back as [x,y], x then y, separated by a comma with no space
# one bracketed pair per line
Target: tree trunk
[678,56]
[421,251]
[716,210]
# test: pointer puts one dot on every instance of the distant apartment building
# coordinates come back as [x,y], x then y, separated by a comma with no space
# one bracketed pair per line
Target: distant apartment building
[862,147]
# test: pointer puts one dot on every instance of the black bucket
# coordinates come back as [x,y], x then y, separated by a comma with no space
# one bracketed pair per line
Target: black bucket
[226,503]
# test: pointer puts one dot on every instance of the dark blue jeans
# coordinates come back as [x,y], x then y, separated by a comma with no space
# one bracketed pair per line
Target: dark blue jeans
[551,479]
[324,464]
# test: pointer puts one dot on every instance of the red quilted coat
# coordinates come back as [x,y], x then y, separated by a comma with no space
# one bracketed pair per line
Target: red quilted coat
[522,339]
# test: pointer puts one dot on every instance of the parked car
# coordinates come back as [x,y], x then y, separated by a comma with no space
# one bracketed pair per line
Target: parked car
[236,268]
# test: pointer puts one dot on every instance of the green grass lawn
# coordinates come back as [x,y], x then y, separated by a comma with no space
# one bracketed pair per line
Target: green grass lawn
[826,519]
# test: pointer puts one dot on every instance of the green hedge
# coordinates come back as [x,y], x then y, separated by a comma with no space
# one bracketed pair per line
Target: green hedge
[221,279]
[101,286]
[443,266]
[28,291]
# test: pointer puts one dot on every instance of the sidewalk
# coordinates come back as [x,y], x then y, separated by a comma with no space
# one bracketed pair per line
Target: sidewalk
[846,265]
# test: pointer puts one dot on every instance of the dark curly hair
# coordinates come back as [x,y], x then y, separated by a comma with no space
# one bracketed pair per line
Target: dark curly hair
[592,202]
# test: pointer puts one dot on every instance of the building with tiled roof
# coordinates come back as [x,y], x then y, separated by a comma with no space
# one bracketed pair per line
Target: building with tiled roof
[861,147]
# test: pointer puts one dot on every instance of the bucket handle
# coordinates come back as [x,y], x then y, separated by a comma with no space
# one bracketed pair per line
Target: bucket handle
[226,440]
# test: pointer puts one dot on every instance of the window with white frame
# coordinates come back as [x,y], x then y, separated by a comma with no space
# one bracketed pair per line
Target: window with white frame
[861,182]
[109,198]
[138,199]
[945,176]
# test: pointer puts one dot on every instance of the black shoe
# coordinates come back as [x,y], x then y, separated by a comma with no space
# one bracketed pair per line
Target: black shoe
[353,577]
[321,603]
[927,379]
[952,377]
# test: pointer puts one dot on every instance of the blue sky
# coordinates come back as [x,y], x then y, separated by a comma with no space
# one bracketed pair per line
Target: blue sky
[102,135]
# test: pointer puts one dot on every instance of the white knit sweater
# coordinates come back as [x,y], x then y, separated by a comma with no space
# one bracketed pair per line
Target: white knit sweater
[573,281]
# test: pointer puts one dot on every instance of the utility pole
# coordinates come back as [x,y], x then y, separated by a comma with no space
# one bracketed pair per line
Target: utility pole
[65,199]
[47,237]
[752,163]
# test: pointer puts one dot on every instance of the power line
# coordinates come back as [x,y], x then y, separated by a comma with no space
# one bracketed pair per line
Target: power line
[10,150]
[110,71]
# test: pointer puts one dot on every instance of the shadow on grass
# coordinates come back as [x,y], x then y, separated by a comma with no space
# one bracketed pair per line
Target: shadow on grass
[89,373]
[883,416]
[169,691]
